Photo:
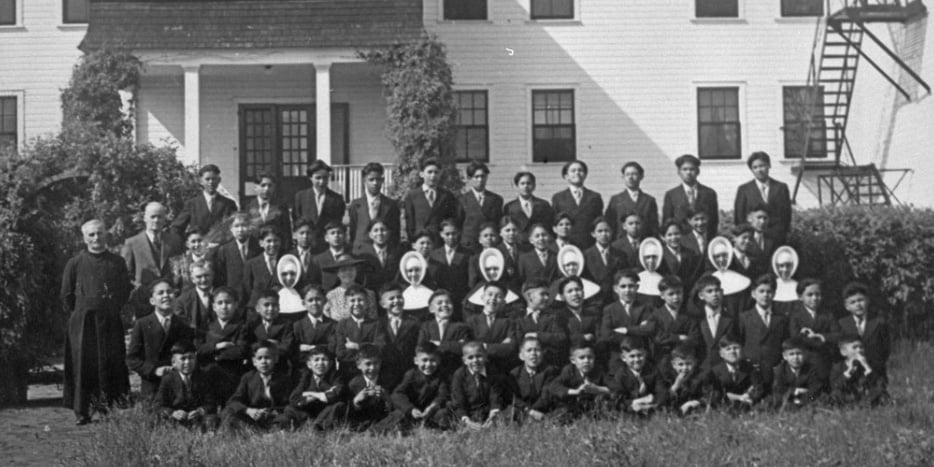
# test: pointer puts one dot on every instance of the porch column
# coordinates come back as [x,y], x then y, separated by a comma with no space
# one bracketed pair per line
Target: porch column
[323,111]
[192,149]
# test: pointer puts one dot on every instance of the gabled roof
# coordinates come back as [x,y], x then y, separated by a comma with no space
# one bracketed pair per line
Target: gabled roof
[242,24]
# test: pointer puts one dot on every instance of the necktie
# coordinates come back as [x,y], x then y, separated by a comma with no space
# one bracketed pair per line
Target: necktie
[634,195]
[381,254]
[166,324]
[319,200]
[732,373]
[712,323]
[263,210]
[701,242]
[535,318]
[271,263]
[205,301]
[374,208]
[759,241]
[243,251]
[450,256]
[603,255]
[305,256]
[267,390]
[395,326]
[430,195]
[578,194]
[441,326]
[186,387]
[480,199]
[527,209]
[692,196]
[764,189]
[511,251]
[489,322]
[210,202]
[642,387]
[766,318]
[860,326]
[543,257]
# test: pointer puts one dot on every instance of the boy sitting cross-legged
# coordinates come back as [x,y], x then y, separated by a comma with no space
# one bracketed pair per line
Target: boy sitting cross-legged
[634,384]
[370,404]
[530,396]
[261,395]
[855,380]
[680,385]
[185,395]
[733,382]
[477,396]
[581,388]
[795,381]
[317,396]
[422,396]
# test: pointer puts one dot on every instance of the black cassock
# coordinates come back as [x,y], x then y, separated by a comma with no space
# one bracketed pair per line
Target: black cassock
[94,289]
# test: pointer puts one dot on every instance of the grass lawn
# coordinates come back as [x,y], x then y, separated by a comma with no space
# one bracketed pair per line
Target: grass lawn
[899,435]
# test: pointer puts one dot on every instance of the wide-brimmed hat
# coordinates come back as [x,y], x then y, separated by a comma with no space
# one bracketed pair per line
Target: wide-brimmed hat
[342,262]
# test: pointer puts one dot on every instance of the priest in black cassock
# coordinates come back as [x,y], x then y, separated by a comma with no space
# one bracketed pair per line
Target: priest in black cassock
[95,286]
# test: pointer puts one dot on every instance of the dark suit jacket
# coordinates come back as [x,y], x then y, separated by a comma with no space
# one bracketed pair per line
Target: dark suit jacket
[280,330]
[631,254]
[399,350]
[530,267]
[676,206]
[621,206]
[172,395]
[876,339]
[359,214]
[689,240]
[277,215]
[306,207]
[369,332]
[720,382]
[542,213]
[451,277]
[372,409]
[256,278]
[196,213]
[589,323]
[531,392]
[420,216]
[626,386]
[330,384]
[667,330]
[470,215]
[327,279]
[602,274]
[549,331]
[511,272]
[638,322]
[709,344]
[762,345]
[230,267]
[455,335]
[250,392]
[150,348]
[784,382]
[570,378]
[493,337]
[230,358]
[470,400]
[419,391]
[823,323]
[688,269]
[590,208]
[748,196]
[188,305]
[144,263]
[374,273]
[860,387]
[322,334]
[691,390]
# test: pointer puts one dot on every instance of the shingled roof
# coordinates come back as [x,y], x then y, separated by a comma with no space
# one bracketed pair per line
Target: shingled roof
[242,24]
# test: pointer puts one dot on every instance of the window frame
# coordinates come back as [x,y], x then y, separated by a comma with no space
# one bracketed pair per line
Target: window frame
[68,22]
[20,131]
[17,16]
[784,14]
[485,127]
[740,114]
[575,106]
[444,11]
[533,17]
[740,12]
[821,153]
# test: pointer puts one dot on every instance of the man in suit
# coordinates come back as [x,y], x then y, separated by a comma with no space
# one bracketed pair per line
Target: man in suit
[319,204]
[426,206]
[373,205]
[207,209]
[691,195]
[264,210]
[633,200]
[152,337]
[582,204]
[477,205]
[527,210]
[767,190]
[230,259]
[194,303]
[147,255]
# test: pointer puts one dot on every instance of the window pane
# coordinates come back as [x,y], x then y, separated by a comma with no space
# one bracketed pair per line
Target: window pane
[718,123]
[7,12]
[75,11]
[552,9]
[464,9]
[716,8]
[802,8]
[471,130]
[797,132]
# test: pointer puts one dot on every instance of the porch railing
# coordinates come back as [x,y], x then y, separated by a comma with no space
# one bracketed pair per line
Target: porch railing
[348,181]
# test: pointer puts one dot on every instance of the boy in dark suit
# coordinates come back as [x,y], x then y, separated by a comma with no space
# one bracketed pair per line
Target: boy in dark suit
[855,380]
[539,324]
[815,326]
[540,264]
[696,238]
[303,240]
[316,329]
[631,235]
[207,209]
[493,331]
[319,204]
[680,383]
[581,388]
[230,258]
[676,259]
[531,399]
[633,200]
[762,331]
[422,396]
[448,266]
[691,195]
[260,272]
[371,403]
[715,322]
[264,210]
[447,335]
[270,327]
[764,189]
[186,395]
[672,326]
[526,209]
[194,304]
[763,245]
[357,331]
[477,205]
[873,332]
[426,206]
[401,335]
[624,317]
[335,237]
[371,206]
[477,395]
[602,260]
[262,395]
[152,337]
[317,396]
[794,381]
[581,323]
[634,383]
[381,258]
[224,347]
[583,204]
[734,382]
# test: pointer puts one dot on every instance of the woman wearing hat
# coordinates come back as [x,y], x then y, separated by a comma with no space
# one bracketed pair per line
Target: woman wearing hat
[346,269]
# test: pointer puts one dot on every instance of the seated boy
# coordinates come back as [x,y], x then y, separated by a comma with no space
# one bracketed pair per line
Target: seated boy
[581,388]
[370,403]
[261,396]
[873,331]
[355,332]
[317,396]
[634,384]
[224,347]
[494,331]
[401,335]
[531,399]
[422,396]
[680,384]
[272,328]
[734,382]
[795,382]
[762,331]
[672,326]
[714,322]
[152,337]
[186,395]
[477,396]
[448,336]
[854,380]
[541,325]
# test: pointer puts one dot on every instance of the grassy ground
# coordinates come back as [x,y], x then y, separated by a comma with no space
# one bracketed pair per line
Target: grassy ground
[901,434]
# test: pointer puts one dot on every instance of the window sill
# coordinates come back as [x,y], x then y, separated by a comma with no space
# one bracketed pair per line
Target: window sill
[555,22]
[12,28]
[722,161]
[464,21]
[796,19]
[719,21]
[72,26]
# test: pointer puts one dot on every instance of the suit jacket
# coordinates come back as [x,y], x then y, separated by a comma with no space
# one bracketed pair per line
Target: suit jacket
[468,399]
[322,334]
[359,214]
[689,241]
[530,267]
[196,213]
[455,335]
[549,331]
[542,213]
[144,262]
[785,381]
[150,348]
[277,215]
[369,332]
[691,390]
[688,269]
[372,409]
[621,206]
[250,393]
[631,255]
[420,216]
[762,345]
[173,395]
[822,323]
[583,215]
[589,323]
[230,266]
[306,207]
[720,382]
[709,344]
[766,250]
[419,391]
[511,271]
[748,196]
[628,388]
[602,274]
[231,357]
[280,330]
[667,330]
[331,385]
[470,215]
[531,392]
[876,339]
[638,322]
[571,378]
[859,387]
[676,206]
[374,273]
[256,278]
[493,336]
[188,305]
[451,277]
[399,349]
